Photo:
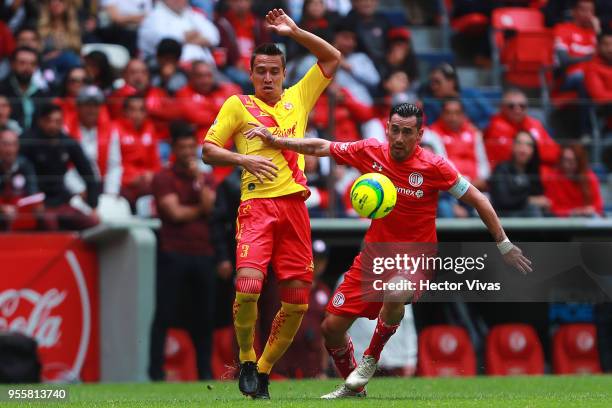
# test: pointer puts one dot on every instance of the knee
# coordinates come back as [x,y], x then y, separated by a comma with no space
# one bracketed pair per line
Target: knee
[392,312]
[329,330]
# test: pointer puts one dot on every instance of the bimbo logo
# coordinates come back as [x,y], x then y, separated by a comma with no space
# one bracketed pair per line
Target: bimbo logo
[284,132]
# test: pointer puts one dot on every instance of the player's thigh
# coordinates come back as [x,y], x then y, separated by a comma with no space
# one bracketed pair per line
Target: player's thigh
[254,235]
[292,254]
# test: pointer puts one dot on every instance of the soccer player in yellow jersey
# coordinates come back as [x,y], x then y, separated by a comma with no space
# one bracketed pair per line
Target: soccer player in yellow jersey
[273,224]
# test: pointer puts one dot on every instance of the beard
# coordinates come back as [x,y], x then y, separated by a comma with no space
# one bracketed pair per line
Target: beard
[23,79]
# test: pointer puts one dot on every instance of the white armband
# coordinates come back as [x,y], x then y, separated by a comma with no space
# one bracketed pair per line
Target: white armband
[460,188]
[505,246]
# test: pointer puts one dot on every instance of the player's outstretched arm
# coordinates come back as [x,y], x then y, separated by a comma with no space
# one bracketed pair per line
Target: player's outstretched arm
[311,146]
[512,254]
[260,167]
[328,56]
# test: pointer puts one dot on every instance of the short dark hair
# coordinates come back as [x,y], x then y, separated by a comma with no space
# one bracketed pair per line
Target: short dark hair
[181,130]
[137,96]
[446,101]
[47,109]
[169,47]
[267,49]
[23,48]
[449,72]
[406,110]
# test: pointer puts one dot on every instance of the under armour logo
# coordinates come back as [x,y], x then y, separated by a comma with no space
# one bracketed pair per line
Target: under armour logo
[377,166]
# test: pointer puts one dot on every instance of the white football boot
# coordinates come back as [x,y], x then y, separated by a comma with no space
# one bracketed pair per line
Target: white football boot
[360,376]
[344,392]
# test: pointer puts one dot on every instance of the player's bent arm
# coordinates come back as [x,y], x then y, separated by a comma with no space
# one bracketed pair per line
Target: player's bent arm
[485,210]
[170,206]
[327,56]
[311,146]
[219,156]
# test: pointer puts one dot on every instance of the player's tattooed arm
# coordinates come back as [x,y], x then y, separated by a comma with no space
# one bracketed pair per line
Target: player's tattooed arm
[312,146]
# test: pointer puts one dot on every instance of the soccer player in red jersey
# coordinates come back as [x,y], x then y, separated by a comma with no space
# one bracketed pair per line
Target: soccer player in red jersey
[272,225]
[418,176]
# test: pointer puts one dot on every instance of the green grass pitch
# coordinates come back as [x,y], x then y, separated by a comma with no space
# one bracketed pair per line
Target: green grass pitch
[489,392]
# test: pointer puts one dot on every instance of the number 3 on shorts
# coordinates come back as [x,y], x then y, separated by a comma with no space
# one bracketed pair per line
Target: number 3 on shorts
[245,251]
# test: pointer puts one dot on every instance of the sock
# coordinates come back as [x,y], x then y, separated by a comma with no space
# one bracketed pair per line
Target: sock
[294,304]
[382,334]
[344,358]
[245,316]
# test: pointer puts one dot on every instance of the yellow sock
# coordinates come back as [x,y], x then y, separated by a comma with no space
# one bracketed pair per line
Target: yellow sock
[286,323]
[245,316]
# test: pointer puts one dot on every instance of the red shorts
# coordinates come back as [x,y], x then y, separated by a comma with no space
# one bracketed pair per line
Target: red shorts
[278,230]
[353,298]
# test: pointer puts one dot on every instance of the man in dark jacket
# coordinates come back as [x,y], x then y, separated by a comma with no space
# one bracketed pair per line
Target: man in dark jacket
[52,152]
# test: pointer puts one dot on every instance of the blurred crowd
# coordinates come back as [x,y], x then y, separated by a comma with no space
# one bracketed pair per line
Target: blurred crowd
[89,91]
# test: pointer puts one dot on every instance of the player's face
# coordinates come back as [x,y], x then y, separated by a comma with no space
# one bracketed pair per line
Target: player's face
[403,136]
[267,76]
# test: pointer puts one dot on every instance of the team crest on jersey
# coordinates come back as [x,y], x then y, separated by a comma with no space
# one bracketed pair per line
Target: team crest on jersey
[338,299]
[415,179]
[288,105]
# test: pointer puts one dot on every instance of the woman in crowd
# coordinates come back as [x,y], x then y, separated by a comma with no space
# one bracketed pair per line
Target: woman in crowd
[58,26]
[572,187]
[515,185]
[99,71]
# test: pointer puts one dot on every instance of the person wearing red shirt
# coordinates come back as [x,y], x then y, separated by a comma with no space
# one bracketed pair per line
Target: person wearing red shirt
[139,152]
[419,176]
[598,72]
[511,119]
[349,113]
[203,96]
[463,143]
[572,187]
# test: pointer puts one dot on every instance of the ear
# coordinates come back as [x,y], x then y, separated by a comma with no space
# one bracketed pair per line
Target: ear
[420,134]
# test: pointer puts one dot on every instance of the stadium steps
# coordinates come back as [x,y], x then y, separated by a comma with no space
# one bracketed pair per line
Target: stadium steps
[429,48]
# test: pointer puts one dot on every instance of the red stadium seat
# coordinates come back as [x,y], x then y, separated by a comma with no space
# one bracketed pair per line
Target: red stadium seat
[514,349]
[472,23]
[223,354]
[180,359]
[519,19]
[526,56]
[445,351]
[575,350]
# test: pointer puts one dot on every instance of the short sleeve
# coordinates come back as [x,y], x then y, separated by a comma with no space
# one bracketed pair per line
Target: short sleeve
[311,86]
[226,122]
[351,153]
[448,175]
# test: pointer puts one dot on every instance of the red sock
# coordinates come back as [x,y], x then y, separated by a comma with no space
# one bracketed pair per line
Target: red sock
[382,334]
[344,358]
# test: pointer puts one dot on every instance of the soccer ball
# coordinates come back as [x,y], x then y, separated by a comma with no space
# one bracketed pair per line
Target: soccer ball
[373,195]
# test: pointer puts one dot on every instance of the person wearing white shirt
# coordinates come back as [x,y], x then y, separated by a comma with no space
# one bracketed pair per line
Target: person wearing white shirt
[119,21]
[175,19]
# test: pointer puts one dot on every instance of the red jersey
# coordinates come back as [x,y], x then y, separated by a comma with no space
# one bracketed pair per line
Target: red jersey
[598,80]
[566,195]
[461,146]
[418,179]
[499,137]
[576,41]
[104,130]
[139,152]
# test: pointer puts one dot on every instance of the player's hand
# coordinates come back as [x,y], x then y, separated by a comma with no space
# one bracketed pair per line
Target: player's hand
[225,269]
[259,131]
[280,22]
[517,260]
[260,167]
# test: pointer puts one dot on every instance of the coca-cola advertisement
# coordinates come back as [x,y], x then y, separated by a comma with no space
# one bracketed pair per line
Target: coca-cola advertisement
[48,291]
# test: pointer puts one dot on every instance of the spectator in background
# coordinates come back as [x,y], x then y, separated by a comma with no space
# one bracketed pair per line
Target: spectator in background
[598,75]
[463,143]
[139,153]
[167,73]
[572,187]
[93,129]
[23,93]
[400,55]
[184,202]
[17,181]
[52,152]
[443,84]
[60,33]
[71,85]
[511,119]
[177,20]
[28,37]
[249,31]
[136,78]
[7,46]
[515,185]
[575,43]
[317,19]
[99,71]
[119,20]
[203,96]
[371,28]
[5,116]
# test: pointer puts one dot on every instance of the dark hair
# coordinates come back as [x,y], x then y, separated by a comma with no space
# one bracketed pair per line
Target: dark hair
[582,169]
[47,109]
[605,32]
[267,49]
[406,110]
[533,165]
[345,25]
[449,72]
[23,48]
[66,80]
[106,76]
[169,47]
[446,101]
[130,98]
[27,27]
[181,130]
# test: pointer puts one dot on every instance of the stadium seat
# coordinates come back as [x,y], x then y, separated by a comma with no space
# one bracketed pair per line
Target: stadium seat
[472,23]
[514,349]
[445,351]
[528,59]
[180,358]
[575,349]
[223,354]
[118,56]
